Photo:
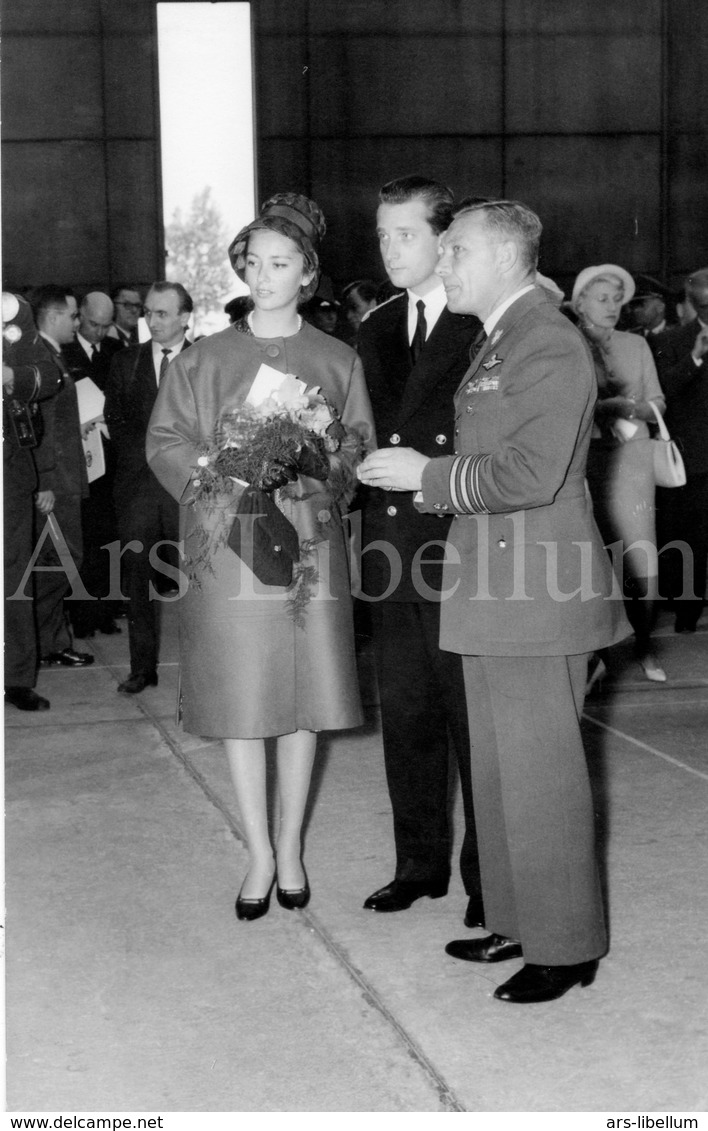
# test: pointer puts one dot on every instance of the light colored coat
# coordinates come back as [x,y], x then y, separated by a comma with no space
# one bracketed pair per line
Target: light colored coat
[527,573]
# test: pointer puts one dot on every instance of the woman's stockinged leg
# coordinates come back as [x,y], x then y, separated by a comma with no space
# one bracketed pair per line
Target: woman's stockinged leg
[247,762]
[295,757]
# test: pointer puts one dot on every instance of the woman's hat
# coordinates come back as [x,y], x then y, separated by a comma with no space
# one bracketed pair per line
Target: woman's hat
[292,215]
[590,273]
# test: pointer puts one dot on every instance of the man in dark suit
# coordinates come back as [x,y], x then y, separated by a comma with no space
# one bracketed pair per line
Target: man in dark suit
[91,350]
[128,306]
[89,355]
[682,363]
[414,353]
[529,594]
[63,483]
[28,376]
[147,514]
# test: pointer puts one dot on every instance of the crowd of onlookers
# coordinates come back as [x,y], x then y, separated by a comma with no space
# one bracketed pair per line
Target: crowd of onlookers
[76,479]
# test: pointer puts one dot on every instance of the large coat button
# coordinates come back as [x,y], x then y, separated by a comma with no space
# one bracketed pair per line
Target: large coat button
[273,351]
[395,439]
[440,439]
[391,511]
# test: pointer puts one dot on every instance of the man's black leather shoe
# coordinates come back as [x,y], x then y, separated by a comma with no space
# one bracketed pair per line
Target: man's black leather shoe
[134,684]
[474,915]
[400,894]
[544,983]
[25,699]
[110,628]
[495,948]
[69,658]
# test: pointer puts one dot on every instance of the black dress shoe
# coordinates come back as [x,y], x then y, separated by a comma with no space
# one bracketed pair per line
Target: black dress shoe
[250,909]
[25,699]
[69,658]
[400,894]
[293,900]
[474,915]
[685,625]
[137,683]
[544,983]
[495,948]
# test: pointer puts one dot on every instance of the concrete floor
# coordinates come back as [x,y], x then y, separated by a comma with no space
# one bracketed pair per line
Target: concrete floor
[131,986]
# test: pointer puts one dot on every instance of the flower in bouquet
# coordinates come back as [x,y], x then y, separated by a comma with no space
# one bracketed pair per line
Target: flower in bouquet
[293,431]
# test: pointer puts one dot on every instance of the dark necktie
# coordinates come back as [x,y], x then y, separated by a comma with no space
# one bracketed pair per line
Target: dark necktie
[421,328]
[163,364]
[478,343]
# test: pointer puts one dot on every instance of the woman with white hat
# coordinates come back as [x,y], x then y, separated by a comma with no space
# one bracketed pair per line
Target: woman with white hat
[620,465]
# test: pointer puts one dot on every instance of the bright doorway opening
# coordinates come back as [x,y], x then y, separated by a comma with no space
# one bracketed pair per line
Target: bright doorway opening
[208,148]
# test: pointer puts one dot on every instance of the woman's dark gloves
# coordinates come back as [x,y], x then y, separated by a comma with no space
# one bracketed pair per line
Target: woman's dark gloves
[312,461]
[277,475]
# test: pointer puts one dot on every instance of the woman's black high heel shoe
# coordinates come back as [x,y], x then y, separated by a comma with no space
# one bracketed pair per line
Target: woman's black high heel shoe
[293,900]
[253,908]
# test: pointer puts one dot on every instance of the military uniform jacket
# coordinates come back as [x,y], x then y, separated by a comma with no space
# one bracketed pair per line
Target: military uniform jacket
[413,407]
[527,572]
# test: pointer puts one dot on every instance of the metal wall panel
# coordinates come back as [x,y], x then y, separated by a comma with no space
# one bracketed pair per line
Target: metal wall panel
[132,203]
[52,87]
[398,85]
[54,213]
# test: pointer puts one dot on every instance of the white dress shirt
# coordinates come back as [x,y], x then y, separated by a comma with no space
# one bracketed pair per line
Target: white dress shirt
[157,356]
[435,303]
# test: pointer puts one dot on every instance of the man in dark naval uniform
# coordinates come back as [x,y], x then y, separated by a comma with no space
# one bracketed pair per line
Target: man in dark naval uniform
[415,353]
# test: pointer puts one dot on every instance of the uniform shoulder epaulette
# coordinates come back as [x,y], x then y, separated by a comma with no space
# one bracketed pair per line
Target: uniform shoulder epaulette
[401,294]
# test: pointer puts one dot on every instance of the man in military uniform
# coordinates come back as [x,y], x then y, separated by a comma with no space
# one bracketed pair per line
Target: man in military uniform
[414,353]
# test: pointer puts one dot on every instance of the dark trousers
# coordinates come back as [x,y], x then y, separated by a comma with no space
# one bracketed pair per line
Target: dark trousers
[147,517]
[422,697]
[53,586]
[20,630]
[99,529]
[533,804]
[682,514]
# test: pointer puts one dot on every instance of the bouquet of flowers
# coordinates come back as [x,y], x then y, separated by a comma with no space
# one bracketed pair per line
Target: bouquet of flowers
[283,429]
[267,444]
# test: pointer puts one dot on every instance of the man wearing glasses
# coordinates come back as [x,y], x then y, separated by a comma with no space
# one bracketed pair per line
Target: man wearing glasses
[128,309]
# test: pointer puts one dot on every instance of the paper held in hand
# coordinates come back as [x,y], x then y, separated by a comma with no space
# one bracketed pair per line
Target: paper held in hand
[91,400]
[270,382]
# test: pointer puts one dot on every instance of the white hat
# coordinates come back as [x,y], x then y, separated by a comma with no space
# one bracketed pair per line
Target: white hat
[586,277]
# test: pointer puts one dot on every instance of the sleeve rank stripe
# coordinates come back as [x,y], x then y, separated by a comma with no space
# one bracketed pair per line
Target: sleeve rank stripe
[464,485]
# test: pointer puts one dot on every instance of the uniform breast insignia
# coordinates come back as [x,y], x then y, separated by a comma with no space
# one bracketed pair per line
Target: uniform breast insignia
[494,360]
[482,384]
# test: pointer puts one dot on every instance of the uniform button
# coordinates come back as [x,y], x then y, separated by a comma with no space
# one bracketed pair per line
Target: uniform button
[457,431]
[395,439]
[470,408]
[502,543]
[440,439]
[392,511]
[273,351]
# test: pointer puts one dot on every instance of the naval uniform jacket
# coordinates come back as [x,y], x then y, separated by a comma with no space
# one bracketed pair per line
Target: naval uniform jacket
[523,535]
[413,407]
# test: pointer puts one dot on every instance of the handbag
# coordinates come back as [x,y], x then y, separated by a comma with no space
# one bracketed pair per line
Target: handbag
[668,464]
